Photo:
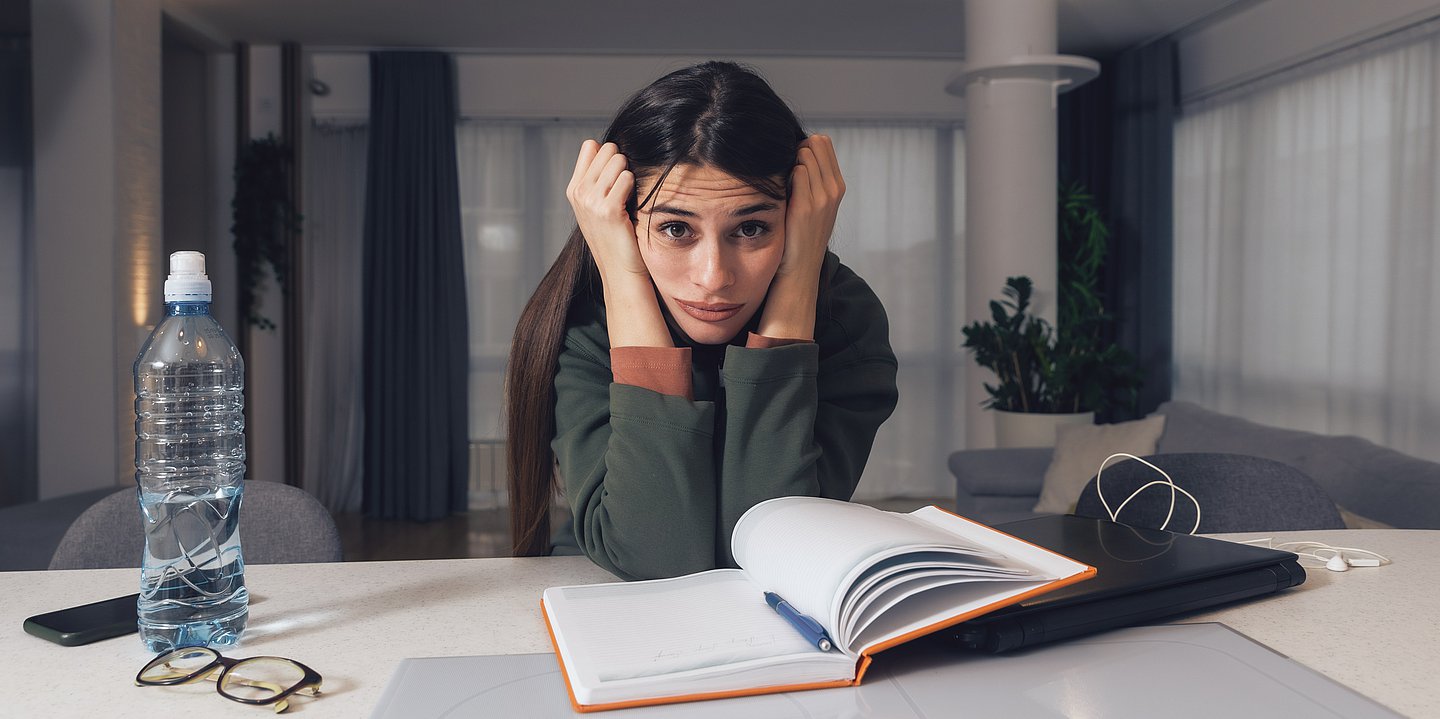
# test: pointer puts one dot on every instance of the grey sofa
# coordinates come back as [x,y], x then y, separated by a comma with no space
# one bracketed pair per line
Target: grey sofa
[1379,484]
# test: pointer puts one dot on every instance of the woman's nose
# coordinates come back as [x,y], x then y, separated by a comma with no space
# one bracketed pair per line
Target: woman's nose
[713,272]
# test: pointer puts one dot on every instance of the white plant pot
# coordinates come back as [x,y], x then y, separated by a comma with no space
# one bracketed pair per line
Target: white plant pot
[1028,429]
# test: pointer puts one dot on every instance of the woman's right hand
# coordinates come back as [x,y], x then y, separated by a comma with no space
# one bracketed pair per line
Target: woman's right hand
[598,191]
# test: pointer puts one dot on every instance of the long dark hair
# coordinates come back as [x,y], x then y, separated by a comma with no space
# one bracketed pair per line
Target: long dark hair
[718,114]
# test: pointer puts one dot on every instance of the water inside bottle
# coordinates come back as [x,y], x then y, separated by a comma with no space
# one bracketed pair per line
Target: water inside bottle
[192,585]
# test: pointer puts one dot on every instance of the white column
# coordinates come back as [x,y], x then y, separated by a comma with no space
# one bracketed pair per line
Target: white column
[96,80]
[1010,80]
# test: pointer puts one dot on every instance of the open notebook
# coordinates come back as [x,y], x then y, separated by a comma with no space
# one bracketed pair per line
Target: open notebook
[872,579]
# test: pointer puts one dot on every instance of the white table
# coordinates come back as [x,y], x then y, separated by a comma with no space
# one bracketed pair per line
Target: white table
[1374,630]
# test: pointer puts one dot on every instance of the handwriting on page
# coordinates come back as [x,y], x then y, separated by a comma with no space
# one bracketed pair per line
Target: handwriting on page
[617,632]
[729,647]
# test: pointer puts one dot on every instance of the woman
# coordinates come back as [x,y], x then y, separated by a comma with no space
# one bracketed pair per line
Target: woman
[695,349]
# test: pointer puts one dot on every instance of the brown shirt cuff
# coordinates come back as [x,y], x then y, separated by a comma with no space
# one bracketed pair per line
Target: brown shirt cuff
[754,341]
[660,369]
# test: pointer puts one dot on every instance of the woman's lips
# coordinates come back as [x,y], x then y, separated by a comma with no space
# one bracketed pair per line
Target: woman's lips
[709,313]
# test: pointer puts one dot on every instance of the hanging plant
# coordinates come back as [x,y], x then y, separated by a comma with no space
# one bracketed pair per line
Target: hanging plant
[264,219]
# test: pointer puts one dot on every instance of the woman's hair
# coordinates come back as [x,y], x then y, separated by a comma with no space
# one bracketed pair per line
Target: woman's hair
[716,113]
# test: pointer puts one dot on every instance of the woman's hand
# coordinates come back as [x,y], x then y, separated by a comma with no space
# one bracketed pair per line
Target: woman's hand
[816,188]
[597,193]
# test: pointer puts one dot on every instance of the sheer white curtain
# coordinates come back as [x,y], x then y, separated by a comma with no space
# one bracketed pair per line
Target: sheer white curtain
[1307,248]
[897,229]
[335,159]
[516,219]
[900,229]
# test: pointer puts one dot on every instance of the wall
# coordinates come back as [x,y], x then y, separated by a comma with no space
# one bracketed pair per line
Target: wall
[96,79]
[530,86]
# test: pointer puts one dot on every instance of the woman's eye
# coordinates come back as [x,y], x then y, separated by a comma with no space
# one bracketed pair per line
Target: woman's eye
[752,229]
[674,230]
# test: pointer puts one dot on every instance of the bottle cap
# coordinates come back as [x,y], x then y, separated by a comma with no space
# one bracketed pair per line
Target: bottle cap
[187,281]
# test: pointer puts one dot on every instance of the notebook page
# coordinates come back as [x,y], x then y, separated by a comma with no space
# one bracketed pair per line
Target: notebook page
[804,548]
[620,632]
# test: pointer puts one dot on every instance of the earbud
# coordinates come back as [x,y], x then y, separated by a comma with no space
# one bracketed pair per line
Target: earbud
[1337,563]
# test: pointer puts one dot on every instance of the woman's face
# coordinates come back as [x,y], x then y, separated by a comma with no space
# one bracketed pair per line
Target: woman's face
[712,244]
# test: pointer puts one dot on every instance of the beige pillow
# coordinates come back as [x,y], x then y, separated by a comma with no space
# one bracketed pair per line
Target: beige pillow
[1356,521]
[1079,450]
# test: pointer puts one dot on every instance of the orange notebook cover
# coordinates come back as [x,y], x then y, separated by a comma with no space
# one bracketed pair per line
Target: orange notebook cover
[602,611]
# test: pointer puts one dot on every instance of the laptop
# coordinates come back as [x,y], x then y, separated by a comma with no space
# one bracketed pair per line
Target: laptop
[1143,575]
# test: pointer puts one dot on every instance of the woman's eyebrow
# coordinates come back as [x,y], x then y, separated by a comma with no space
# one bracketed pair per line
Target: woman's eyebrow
[755,209]
[672,210]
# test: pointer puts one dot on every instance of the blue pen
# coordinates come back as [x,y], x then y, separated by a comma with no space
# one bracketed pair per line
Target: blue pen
[808,628]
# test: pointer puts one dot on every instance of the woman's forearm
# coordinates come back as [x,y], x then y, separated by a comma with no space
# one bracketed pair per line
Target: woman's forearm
[633,314]
[790,307]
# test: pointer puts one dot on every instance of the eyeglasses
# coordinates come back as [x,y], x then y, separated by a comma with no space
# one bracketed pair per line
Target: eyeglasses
[255,680]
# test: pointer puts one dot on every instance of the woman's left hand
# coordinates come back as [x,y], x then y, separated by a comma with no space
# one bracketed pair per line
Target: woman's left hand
[816,188]
[815,191]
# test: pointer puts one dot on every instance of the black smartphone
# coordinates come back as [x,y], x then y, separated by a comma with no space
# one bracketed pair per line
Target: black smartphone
[86,623]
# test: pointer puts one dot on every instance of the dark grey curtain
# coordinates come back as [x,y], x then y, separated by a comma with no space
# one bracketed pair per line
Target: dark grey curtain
[17,308]
[415,345]
[1117,136]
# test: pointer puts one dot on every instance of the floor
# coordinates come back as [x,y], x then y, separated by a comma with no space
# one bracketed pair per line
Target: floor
[479,533]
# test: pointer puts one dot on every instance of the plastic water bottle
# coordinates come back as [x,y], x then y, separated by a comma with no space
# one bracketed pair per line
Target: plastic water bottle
[189,464]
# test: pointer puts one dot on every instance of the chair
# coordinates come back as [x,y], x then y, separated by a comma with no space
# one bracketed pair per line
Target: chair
[1237,493]
[279,524]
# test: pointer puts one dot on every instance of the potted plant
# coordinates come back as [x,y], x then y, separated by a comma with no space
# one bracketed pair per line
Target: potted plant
[1051,375]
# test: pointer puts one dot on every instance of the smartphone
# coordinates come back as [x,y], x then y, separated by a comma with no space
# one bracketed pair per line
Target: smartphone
[86,623]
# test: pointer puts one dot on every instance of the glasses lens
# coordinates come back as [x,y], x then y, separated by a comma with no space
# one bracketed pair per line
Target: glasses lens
[260,678]
[177,664]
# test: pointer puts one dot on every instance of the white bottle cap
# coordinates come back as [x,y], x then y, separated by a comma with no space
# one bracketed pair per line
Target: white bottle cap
[187,281]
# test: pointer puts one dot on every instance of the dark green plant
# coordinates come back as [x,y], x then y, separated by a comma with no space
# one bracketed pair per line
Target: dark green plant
[1083,243]
[263,219]
[1017,347]
[1064,369]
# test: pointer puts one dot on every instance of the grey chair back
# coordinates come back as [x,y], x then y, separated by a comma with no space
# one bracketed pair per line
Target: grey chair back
[279,524]
[1236,493]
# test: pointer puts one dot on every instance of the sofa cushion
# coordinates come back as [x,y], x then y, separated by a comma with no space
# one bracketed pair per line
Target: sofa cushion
[1378,483]
[1079,450]
[1015,472]
[1192,428]
[1366,479]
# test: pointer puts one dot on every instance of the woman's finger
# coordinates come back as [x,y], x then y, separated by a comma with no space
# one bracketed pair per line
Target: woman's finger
[830,165]
[811,162]
[800,185]
[588,149]
[621,188]
[821,152]
[597,164]
[608,173]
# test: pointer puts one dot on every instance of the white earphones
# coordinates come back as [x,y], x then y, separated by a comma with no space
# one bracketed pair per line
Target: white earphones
[1114,513]
[1336,559]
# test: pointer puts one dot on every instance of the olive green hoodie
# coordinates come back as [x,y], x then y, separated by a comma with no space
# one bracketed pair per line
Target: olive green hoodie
[656,482]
